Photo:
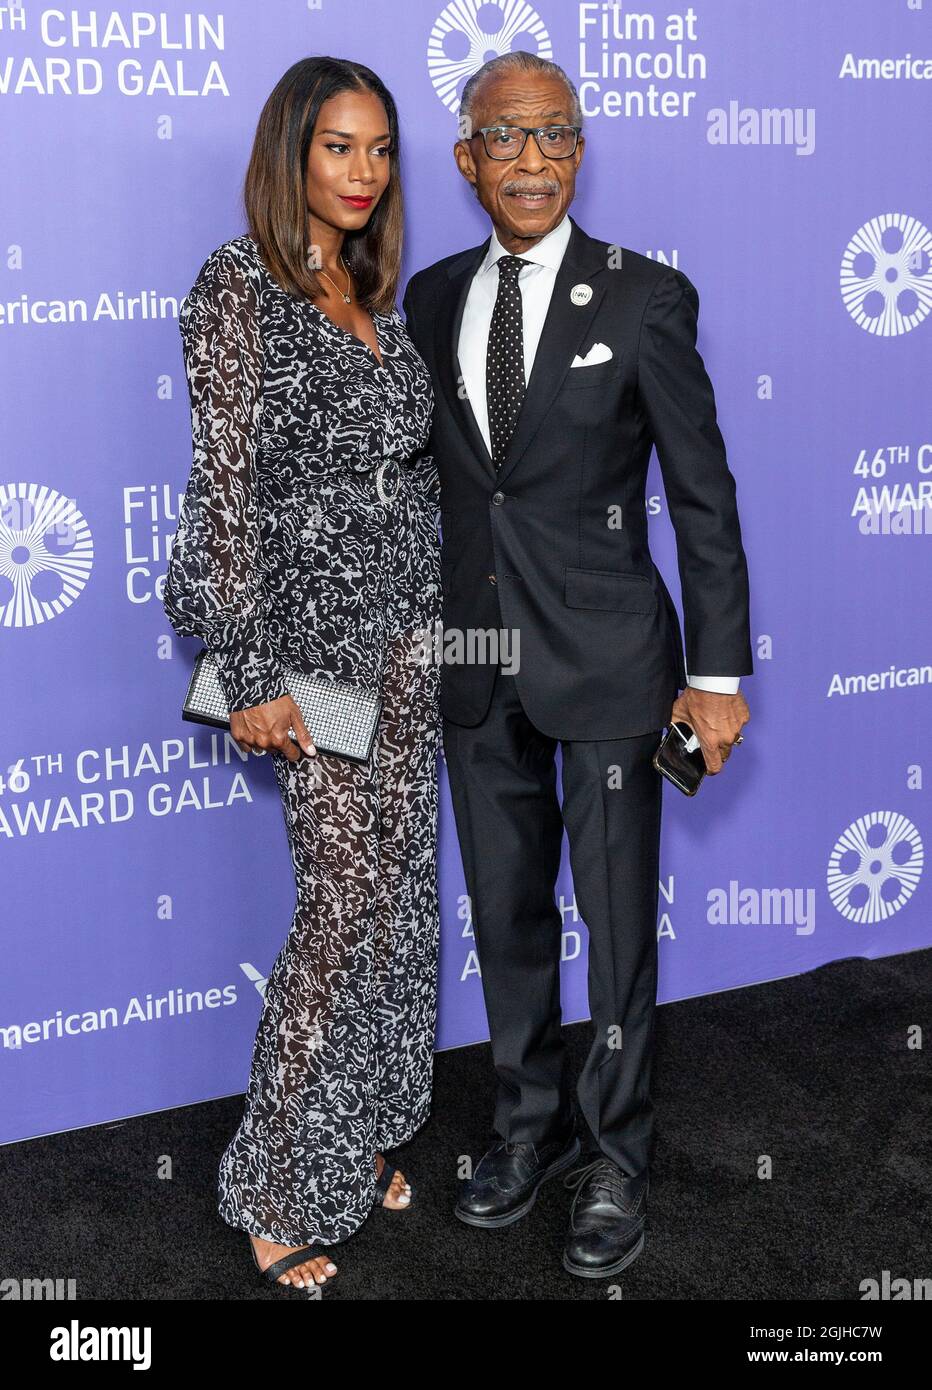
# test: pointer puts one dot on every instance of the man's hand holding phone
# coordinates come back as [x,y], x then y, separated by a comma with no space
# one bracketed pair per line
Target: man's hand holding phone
[716,719]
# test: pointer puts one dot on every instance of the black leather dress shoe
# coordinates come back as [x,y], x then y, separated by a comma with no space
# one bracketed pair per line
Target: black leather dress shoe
[506,1180]
[606,1231]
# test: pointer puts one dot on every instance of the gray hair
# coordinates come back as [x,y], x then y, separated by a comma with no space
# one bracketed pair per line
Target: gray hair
[506,63]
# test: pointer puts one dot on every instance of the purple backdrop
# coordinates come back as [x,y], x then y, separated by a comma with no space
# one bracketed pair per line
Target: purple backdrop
[775,154]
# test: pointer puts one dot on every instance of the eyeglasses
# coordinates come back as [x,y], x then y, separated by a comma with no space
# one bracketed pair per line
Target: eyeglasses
[508,141]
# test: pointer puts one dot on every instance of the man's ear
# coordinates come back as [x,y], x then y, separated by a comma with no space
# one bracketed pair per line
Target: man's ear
[465,163]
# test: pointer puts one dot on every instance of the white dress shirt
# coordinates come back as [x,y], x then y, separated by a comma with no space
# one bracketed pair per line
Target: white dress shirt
[536,282]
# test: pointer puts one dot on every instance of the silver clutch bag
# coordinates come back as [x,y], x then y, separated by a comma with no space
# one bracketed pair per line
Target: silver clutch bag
[341,718]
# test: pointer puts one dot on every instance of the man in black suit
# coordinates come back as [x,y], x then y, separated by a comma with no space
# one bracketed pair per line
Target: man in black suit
[558,362]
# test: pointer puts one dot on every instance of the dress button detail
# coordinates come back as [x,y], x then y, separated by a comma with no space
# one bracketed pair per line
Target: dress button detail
[498,498]
[492,579]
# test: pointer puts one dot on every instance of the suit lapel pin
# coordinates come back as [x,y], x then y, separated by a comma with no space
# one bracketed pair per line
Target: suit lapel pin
[581,294]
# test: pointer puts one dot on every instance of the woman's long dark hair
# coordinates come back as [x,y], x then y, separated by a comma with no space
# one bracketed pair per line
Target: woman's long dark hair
[274,190]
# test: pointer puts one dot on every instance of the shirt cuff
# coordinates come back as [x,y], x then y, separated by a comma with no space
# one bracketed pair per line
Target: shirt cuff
[719,685]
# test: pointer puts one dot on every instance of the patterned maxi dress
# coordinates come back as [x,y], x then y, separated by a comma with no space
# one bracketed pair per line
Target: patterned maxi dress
[286,555]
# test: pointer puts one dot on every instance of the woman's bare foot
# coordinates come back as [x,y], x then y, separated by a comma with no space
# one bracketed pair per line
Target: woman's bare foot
[314,1271]
[399,1191]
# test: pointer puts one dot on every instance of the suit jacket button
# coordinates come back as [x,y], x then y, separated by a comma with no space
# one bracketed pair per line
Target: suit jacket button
[498,498]
[492,579]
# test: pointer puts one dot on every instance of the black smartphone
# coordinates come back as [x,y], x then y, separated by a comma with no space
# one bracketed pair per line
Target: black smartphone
[680,759]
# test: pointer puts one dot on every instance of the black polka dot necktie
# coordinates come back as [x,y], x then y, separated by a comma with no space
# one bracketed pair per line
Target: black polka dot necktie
[504,363]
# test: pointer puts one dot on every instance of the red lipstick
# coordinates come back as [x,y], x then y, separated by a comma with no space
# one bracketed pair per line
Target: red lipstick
[357,202]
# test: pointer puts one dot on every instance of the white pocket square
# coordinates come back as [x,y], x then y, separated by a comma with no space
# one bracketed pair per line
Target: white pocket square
[599,352]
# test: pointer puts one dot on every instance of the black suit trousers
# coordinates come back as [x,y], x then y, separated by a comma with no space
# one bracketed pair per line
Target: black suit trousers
[503,782]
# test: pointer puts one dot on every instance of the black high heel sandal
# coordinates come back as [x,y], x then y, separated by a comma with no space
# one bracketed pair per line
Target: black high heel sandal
[382,1183]
[280,1267]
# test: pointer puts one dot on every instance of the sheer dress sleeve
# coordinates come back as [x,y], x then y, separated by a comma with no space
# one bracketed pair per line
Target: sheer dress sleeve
[214,586]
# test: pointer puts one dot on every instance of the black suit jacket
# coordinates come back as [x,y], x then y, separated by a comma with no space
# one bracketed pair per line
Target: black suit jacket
[542,546]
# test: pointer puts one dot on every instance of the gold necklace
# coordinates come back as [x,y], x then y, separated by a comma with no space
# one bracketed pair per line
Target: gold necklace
[349,281]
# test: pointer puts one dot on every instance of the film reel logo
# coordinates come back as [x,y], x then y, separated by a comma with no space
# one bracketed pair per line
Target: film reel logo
[46,553]
[886,275]
[468,34]
[875,866]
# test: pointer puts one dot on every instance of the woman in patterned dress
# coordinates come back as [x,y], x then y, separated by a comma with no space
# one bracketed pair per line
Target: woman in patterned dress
[308,539]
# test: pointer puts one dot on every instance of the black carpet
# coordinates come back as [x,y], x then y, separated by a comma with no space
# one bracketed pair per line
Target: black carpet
[813,1073]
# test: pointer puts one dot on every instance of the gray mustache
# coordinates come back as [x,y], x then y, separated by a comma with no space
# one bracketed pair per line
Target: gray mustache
[519,187]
